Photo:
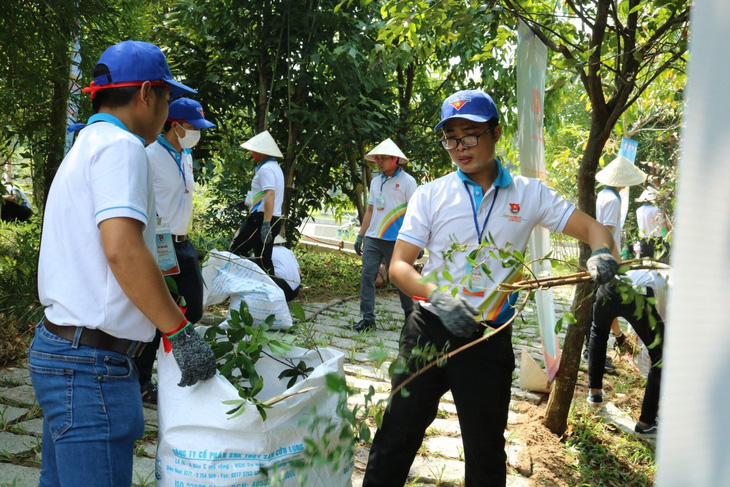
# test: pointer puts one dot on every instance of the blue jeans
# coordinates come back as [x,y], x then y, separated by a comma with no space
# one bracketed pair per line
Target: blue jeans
[373,252]
[92,412]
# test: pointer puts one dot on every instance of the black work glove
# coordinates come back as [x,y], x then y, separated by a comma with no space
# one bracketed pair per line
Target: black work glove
[602,266]
[193,356]
[358,244]
[266,235]
[457,314]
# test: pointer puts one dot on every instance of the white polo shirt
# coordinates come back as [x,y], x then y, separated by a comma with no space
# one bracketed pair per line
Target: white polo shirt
[440,217]
[105,175]
[608,212]
[286,266]
[268,176]
[658,281]
[172,173]
[389,197]
[649,219]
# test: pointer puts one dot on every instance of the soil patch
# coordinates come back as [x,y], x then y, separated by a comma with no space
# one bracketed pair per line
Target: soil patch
[543,450]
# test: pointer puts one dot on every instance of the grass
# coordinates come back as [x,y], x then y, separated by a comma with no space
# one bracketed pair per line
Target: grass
[327,275]
[605,455]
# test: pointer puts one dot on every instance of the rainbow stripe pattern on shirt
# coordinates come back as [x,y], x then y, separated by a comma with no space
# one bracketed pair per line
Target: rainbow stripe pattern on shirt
[390,226]
[256,201]
[498,300]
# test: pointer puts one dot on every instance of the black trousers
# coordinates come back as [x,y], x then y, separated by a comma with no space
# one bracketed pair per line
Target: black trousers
[652,247]
[248,238]
[189,286]
[480,380]
[13,212]
[286,287]
[608,306]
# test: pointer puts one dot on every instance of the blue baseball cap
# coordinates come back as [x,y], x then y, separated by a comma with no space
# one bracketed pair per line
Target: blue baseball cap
[131,63]
[474,105]
[190,111]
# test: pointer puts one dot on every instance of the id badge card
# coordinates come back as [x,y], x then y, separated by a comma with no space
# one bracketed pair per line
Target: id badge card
[380,202]
[166,257]
[476,282]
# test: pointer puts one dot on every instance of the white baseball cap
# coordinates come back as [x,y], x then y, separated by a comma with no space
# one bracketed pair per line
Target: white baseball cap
[386,148]
[621,173]
[263,143]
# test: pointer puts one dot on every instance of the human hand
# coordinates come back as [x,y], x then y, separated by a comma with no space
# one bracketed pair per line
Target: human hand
[266,235]
[602,266]
[193,355]
[457,314]
[358,244]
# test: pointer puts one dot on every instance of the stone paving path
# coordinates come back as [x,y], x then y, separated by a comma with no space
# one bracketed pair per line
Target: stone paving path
[440,460]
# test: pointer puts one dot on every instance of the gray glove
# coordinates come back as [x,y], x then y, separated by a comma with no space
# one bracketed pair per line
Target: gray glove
[193,356]
[266,235]
[358,244]
[457,314]
[602,266]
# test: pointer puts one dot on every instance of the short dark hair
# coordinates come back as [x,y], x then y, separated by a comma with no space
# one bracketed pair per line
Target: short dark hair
[116,97]
[167,127]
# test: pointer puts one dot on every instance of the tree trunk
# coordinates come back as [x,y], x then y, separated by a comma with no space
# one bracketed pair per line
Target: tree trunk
[56,135]
[556,416]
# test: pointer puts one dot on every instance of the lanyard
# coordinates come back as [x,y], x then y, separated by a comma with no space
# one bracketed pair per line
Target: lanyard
[474,211]
[387,178]
[178,162]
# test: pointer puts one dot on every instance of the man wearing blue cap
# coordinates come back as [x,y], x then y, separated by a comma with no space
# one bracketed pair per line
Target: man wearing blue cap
[480,199]
[99,280]
[172,168]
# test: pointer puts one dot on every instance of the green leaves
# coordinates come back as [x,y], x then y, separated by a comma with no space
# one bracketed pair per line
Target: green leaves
[239,347]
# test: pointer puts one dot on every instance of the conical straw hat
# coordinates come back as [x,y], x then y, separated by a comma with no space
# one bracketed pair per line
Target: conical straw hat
[386,148]
[649,194]
[264,144]
[620,173]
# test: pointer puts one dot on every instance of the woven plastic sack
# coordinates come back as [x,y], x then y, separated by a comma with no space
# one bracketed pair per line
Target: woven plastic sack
[228,275]
[200,445]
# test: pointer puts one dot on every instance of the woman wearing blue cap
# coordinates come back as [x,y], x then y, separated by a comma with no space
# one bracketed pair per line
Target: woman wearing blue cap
[99,280]
[480,198]
[172,167]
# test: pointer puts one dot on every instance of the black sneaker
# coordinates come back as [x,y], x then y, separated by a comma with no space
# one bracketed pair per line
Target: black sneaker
[646,431]
[609,367]
[149,392]
[595,398]
[363,325]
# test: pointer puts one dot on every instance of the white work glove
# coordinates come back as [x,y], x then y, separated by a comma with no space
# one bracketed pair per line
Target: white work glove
[457,314]
[602,266]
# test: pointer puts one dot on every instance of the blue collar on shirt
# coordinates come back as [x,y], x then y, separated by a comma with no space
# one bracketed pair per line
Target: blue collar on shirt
[106,117]
[614,191]
[504,178]
[167,145]
[647,204]
[268,159]
[384,176]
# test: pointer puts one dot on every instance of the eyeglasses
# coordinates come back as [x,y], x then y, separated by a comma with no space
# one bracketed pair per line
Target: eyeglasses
[466,141]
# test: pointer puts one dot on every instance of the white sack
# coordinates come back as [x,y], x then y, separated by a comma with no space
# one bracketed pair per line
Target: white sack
[199,445]
[228,275]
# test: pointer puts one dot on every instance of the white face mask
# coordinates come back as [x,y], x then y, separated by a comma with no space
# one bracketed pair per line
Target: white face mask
[190,138]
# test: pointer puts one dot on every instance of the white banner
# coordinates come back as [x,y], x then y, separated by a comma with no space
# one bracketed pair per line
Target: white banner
[531,63]
[694,428]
